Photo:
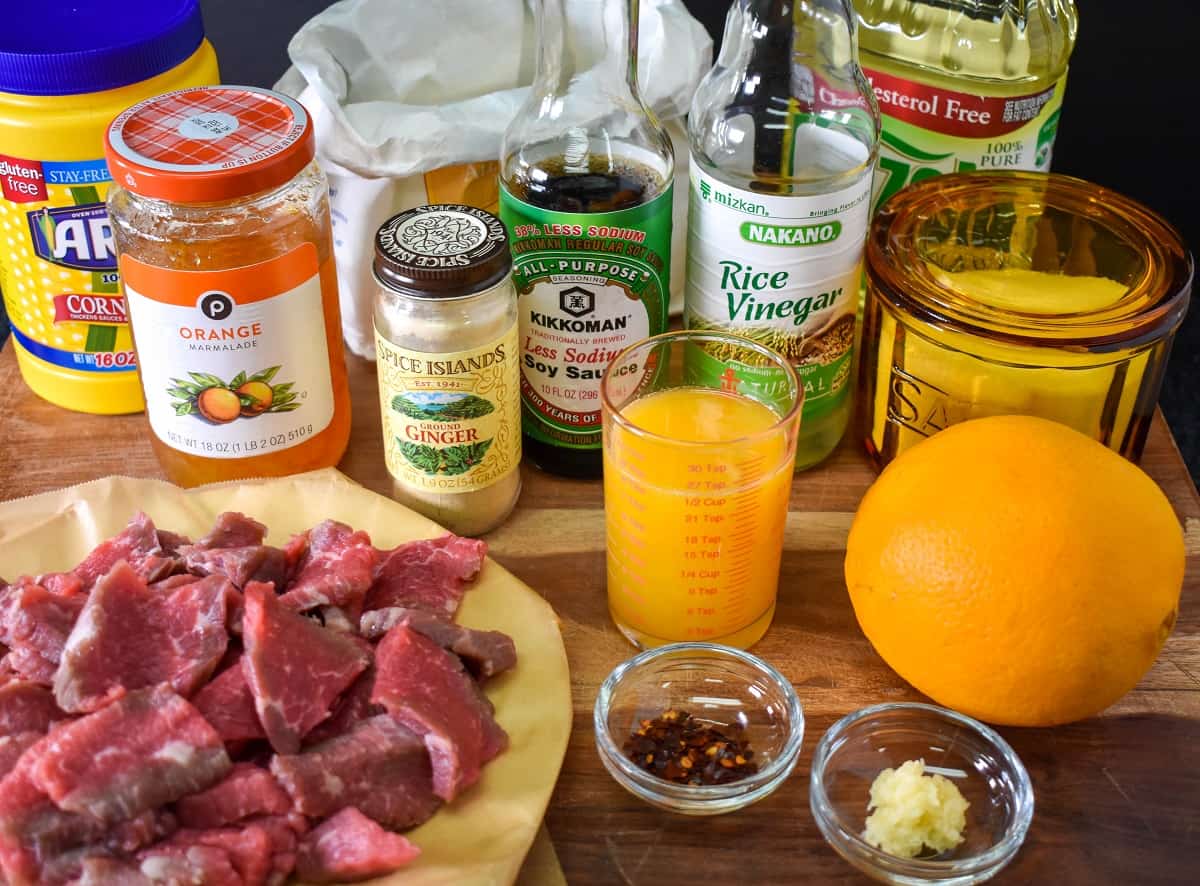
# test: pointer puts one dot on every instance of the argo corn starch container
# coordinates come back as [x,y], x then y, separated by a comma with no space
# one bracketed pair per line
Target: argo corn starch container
[66,70]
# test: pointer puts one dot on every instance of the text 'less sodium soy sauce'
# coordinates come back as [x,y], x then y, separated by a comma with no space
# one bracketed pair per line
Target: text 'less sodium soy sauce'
[588,210]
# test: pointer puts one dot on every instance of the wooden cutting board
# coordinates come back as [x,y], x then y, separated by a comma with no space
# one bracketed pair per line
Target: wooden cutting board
[1118,796]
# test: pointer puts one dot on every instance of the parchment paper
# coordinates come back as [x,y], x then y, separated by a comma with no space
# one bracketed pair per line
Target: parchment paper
[484,835]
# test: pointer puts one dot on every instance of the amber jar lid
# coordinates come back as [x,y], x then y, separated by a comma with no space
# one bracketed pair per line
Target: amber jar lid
[209,144]
[1058,224]
[445,250]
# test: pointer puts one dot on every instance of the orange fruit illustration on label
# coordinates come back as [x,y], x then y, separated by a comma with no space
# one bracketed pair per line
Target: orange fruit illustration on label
[218,405]
[207,396]
[1016,570]
[259,393]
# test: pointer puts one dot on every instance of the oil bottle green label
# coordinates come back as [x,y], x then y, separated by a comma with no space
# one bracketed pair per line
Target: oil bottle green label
[589,285]
[929,130]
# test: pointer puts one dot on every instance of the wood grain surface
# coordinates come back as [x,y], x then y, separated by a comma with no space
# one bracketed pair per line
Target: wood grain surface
[1118,796]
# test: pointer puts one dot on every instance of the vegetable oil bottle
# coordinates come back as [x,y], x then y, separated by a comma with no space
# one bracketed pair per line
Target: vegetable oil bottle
[784,133]
[965,84]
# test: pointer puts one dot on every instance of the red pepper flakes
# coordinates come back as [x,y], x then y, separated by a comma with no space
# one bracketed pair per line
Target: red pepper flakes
[677,747]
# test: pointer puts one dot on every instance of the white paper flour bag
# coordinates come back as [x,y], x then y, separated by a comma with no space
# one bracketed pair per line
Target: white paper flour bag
[410,99]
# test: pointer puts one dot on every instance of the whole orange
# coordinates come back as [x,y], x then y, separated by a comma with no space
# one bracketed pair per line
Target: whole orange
[1016,570]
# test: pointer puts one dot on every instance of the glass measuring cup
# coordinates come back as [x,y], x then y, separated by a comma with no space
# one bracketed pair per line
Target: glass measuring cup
[697,473]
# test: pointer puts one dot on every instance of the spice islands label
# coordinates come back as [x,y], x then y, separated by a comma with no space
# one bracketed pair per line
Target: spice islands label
[589,285]
[451,422]
[234,363]
[782,271]
[928,130]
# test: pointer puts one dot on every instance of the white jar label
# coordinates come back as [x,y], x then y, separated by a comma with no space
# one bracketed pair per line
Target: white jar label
[234,363]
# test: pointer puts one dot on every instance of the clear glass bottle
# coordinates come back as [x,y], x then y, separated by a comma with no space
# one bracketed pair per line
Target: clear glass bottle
[585,178]
[965,84]
[784,133]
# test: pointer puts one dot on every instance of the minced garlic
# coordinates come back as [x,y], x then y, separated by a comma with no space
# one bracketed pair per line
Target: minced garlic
[914,810]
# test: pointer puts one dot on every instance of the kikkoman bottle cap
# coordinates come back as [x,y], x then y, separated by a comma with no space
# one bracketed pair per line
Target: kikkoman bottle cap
[209,143]
[446,250]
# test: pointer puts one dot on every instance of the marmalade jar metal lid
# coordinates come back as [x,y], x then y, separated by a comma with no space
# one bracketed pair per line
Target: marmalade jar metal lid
[208,144]
[445,250]
[967,221]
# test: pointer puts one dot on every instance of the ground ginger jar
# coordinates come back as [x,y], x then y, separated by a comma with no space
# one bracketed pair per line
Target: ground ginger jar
[221,222]
[1017,293]
[446,340]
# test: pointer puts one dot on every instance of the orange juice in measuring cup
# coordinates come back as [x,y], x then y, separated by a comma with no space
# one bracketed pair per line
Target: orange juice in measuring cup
[696,483]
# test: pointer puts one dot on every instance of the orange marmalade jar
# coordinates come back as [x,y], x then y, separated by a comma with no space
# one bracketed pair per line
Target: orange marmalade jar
[221,222]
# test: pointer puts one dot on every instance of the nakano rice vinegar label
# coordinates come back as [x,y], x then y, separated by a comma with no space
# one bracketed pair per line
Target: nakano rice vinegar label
[58,265]
[780,270]
[451,422]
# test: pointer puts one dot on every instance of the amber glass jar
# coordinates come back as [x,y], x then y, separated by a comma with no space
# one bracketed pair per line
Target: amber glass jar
[1017,293]
[221,221]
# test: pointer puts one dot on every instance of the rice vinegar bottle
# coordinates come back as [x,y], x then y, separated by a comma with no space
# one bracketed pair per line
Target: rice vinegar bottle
[784,135]
[965,84]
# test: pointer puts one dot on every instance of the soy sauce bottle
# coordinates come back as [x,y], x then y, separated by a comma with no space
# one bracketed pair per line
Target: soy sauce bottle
[585,191]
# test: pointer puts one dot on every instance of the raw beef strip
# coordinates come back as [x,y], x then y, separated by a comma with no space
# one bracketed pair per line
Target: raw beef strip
[196,864]
[137,543]
[35,629]
[34,831]
[428,574]
[336,619]
[101,871]
[349,846]
[150,747]
[129,637]
[380,766]
[353,707]
[233,530]
[249,849]
[141,830]
[26,707]
[336,570]
[171,542]
[295,550]
[41,843]
[285,832]
[425,687]
[239,565]
[228,705]
[173,582]
[247,790]
[13,746]
[61,584]
[485,653]
[295,667]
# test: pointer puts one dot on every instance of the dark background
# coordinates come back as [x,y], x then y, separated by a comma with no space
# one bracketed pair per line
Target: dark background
[1128,120]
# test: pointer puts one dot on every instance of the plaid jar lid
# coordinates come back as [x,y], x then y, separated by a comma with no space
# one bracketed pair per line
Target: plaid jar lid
[209,143]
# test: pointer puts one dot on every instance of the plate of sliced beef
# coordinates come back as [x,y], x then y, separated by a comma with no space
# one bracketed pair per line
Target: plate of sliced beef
[281,681]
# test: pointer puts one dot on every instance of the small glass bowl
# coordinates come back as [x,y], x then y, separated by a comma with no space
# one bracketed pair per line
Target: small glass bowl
[981,764]
[718,685]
